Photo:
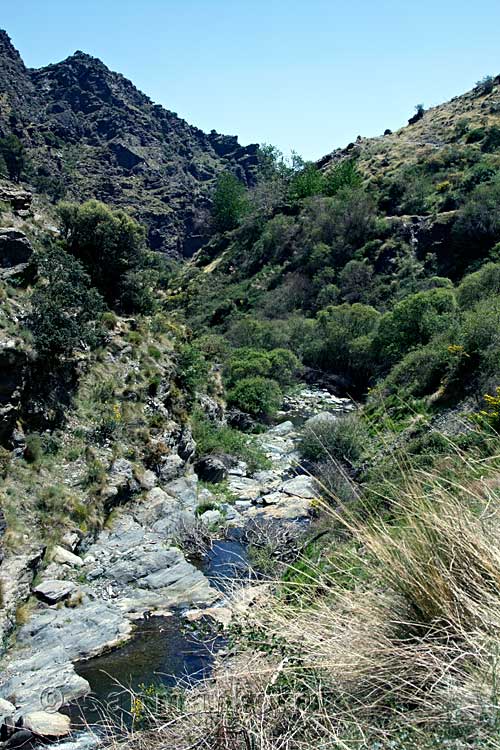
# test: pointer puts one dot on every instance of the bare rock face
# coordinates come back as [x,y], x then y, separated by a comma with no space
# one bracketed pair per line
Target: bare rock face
[16,254]
[18,198]
[12,375]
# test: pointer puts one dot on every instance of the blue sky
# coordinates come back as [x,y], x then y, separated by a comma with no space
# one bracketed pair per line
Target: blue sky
[304,75]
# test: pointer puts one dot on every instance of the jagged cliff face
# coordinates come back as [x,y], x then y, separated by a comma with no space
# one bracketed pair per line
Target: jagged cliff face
[90,133]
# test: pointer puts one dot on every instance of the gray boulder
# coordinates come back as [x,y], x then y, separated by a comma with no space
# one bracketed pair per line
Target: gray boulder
[52,591]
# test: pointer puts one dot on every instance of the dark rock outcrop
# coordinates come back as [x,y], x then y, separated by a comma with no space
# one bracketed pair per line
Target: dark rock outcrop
[12,375]
[211,469]
[16,253]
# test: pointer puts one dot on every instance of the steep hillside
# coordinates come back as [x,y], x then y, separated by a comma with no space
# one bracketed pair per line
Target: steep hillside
[89,133]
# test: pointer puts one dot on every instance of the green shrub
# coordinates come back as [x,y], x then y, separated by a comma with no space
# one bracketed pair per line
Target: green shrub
[343,439]
[212,437]
[108,243]
[66,311]
[137,292]
[305,183]
[230,202]
[192,369]
[480,284]
[109,320]
[412,322]
[258,396]
[12,153]
[285,366]
[420,372]
[343,174]
[332,346]
[213,346]
[492,139]
[477,227]
[33,450]
[247,362]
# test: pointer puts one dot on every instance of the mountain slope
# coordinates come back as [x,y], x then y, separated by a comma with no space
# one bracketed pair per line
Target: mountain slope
[89,133]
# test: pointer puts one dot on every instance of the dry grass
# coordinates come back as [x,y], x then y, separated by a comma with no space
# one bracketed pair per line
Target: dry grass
[407,657]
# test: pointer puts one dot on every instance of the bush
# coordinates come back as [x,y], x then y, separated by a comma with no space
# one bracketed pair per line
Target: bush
[282,364]
[340,439]
[477,227]
[412,322]
[285,366]
[343,223]
[12,153]
[305,183]
[482,283]
[192,369]
[343,174]
[33,450]
[66,310]
[230,202]
[220,438]
[258,396]
[108,243]
[247,362]
[333,346]
[420,372]
[136,292]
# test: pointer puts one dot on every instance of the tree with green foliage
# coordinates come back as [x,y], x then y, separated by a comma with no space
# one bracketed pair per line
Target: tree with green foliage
[192,369]
[340,338]
[66,309]
[13,156]
[258,396]
[342,175]
[305,183]
[230,202]
[109,244]
[413,322]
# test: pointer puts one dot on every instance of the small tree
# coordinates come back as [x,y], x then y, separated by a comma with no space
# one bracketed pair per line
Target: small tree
[65,308]
[230,202]
[256,395]
[108,243]
[13,156]
[306,182]
[342,175]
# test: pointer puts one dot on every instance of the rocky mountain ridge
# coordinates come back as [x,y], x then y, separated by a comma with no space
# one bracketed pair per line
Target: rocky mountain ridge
[90,133]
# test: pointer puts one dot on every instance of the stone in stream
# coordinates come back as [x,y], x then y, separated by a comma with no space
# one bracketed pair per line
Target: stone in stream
[45,724]
[19,738]
[284,507]
[282,429]
[244,487]
[52,591]
[301,486]
[211,517]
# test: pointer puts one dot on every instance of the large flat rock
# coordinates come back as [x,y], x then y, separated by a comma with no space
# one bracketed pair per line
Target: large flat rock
[53,591]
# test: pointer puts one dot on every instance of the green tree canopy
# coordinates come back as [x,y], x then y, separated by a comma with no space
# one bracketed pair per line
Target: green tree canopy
[230,202]
[65,308]
[108,243]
